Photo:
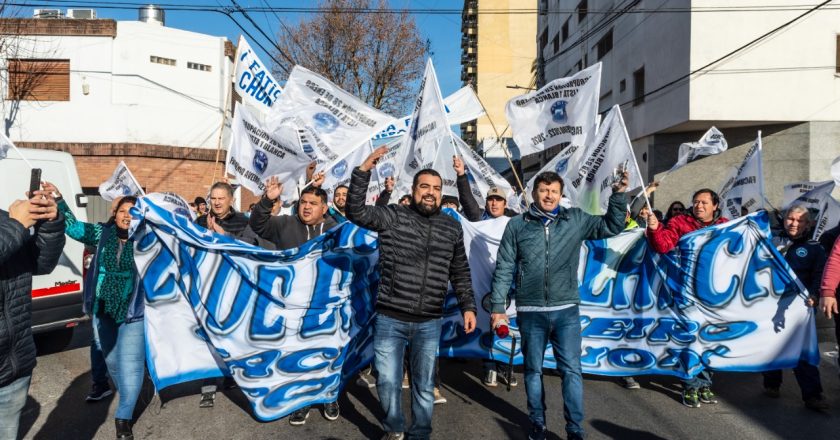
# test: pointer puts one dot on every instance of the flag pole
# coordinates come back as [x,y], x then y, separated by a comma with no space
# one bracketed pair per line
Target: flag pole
[499,141]
[228,93]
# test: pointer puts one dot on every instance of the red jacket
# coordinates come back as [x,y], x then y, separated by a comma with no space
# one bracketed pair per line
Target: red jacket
[831,273]
[665,238]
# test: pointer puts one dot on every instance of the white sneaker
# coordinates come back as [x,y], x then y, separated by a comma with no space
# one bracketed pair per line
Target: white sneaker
[439,399]
[490,378]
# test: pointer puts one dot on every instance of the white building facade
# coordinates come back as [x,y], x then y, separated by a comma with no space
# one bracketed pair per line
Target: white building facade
[666,64]
[137,91]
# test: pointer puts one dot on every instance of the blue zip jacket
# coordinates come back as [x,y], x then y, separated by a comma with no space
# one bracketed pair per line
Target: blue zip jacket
[545,257]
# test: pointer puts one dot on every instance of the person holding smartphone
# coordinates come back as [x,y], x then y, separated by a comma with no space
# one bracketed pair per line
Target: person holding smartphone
[31,241]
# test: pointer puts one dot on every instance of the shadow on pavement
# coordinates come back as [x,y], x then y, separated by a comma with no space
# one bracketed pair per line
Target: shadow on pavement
[72,416]
[350,413]
[30,413]
[459,380]
[611,430]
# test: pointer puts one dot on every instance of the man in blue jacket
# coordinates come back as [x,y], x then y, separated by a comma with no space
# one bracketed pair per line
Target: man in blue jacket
[542,246]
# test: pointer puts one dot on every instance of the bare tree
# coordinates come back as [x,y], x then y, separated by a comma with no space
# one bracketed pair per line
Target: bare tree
[378,55]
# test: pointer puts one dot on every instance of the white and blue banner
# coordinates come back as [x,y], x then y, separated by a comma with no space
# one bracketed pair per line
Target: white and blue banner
[292,327]
[288,326]
[725,300]
[252,79]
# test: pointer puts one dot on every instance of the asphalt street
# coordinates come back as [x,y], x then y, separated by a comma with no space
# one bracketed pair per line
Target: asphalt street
[56,408]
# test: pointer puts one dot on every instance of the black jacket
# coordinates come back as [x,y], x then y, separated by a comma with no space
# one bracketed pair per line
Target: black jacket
[285,231]
[22,256]
[806,258]
[469,206]
[235,225]
[419,256]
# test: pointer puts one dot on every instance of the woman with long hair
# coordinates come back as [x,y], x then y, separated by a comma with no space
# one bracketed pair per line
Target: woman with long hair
[113,297]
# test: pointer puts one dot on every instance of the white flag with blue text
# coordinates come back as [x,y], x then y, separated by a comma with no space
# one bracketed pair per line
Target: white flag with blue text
[711,143]
[743,189]
[121,183]
[252,79]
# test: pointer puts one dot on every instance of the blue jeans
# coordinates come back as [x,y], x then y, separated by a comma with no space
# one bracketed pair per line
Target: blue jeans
[561,329]
[391,336]
[98,367]
[703,379]
[124,348]
[12,400]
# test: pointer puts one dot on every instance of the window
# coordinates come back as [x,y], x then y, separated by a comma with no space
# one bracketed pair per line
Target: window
[197,66]
[639,86]
[579,66]
[555,43]
[564,31]
[543,40]
[582,9]
[605,44]
[622,85]
[162,60]
[39,80]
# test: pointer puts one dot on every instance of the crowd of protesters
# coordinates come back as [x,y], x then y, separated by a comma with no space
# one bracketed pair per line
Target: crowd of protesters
[411,296]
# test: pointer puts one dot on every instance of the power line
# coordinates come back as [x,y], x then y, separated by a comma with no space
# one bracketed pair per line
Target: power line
[420,11]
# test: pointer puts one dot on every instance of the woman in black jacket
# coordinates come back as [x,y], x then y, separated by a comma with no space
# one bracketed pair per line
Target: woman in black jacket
[31,240]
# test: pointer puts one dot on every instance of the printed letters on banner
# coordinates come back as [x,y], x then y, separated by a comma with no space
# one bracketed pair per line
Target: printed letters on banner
[675,314]
[333,121]
[173,203]
[255,154]
[811,195]
[564,111]
[293,327]
[588,174]
[744,188]
[253,80]
[121,183]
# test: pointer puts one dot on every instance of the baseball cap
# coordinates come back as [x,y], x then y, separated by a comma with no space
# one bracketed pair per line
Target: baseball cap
[496,192]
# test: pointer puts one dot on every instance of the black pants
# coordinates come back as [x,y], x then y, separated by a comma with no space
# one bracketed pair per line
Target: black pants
[807,376]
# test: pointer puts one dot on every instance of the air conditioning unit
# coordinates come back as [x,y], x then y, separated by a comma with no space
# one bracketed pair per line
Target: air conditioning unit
[47,13]
[82,14]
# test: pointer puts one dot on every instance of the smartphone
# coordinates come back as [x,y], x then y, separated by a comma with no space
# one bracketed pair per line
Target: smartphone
[34,181]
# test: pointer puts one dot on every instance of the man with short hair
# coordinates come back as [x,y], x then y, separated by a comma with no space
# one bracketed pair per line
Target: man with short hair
[543,245]
[495,204]
[339,203]
[291,231]
[31,241]
[222,219]
[421,250]
[807,258]
[704,212]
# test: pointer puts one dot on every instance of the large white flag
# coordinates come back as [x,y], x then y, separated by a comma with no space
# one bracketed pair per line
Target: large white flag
[589,175]
[333,121]
[829,216]
[339,174]
[427,130]
[252,79]
[482,176]
[711,143]
[563,111]
[744,188]
[256,153]
[461,106]
[809,194]
[121,183]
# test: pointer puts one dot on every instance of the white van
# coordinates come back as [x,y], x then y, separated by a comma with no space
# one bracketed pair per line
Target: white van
[57,297]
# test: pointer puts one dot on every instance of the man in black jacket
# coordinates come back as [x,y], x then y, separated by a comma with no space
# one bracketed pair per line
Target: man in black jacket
[421,251]
[31,241]
[291,231]
[223,219]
